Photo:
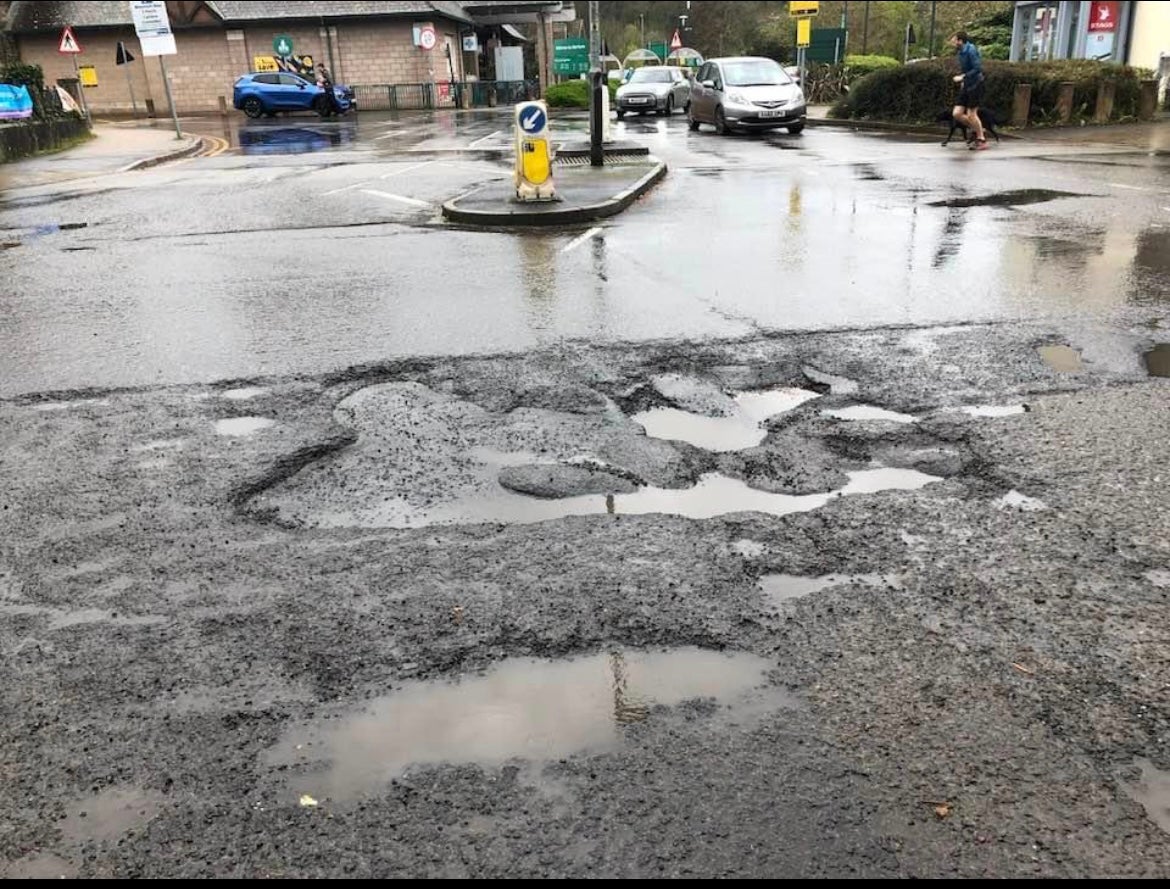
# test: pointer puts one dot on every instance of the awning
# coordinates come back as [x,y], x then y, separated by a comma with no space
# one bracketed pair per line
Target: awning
[512,32]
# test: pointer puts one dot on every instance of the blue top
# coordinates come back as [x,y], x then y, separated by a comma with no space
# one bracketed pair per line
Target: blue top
[970,64]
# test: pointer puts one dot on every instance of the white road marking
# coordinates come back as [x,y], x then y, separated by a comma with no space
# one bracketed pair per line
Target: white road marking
[1129,187]
[581,239]
[326,194]
[479,142]
[405,169]
[396,197]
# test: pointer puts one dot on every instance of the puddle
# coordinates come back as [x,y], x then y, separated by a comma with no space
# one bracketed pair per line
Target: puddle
[240,426]
[1158,360]
[1062,359]
[749,549]
[67,405]
[1152,790]
[780,588]
[867,173]
[44,866]
[1015,198]
[243,394]
[714,495]
[742,429]
[1016,500]
[837,385]
[994,410]
[868,412]
[536,710]
[109,815]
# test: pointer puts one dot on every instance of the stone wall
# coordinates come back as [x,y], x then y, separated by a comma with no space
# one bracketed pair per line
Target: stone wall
[24,138]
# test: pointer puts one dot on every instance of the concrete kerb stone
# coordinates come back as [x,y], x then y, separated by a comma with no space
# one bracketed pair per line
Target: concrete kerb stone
[888,127]
[193,147]
[546,218]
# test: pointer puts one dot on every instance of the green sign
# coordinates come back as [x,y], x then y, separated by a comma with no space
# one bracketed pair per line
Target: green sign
[827,45]
[282,45]
[659,49]
[571,56]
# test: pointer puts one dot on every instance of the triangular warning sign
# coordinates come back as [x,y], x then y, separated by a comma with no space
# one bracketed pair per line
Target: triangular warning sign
[676,41]
[68,42]
[124,55]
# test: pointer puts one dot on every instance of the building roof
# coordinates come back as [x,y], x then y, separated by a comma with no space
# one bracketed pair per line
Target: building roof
[26,16]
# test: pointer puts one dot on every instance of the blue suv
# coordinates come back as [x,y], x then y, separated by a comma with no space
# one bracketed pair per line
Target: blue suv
[268,93]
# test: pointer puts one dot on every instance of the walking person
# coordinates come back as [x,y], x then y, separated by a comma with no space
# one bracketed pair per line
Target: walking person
[971,92]
[325,82]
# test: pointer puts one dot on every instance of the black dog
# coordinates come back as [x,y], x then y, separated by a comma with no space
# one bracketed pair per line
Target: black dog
[986,117]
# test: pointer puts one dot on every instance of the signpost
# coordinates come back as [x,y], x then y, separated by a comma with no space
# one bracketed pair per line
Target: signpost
[157,39]
[123,56]
[69,46]
[802,10]
[571,56]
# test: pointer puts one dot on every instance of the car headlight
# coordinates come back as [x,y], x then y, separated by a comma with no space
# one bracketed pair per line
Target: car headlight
[799,99]
[738,98]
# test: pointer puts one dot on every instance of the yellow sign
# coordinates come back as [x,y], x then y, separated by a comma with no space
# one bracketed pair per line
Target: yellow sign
[535,163]
[264,64]
[803,7]
[88,74]
[803,32]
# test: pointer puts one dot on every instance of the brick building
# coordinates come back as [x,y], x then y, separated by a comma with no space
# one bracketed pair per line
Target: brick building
[361,41]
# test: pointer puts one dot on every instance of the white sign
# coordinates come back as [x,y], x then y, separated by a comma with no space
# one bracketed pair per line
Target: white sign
[68,44]
[471,43]
[153,27]
[424,36]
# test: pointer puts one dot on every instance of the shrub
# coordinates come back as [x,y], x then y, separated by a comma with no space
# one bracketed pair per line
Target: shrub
[858,66]
[916,93]
[574,94]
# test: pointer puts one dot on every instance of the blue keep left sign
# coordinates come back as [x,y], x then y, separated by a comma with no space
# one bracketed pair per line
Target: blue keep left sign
[533,119]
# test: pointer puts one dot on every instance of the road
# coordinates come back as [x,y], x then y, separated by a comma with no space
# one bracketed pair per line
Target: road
[809,519]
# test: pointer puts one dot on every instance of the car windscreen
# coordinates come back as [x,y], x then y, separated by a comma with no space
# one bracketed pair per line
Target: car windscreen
[755,73]
[650,75]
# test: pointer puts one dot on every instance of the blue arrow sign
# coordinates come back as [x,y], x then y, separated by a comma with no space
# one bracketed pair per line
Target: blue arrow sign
[532,120]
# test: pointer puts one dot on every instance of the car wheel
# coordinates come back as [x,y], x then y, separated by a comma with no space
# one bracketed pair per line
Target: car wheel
[721,126]
[796,130]
[253,107]
[691,122]
[669,106]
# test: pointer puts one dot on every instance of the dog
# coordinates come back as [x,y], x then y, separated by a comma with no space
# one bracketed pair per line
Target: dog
[986,117]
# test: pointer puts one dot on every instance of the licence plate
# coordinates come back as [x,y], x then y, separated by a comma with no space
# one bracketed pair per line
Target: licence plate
[771,112]
[638,101]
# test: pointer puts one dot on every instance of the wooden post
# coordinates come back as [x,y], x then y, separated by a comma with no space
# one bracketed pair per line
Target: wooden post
[1064,101]
[1021,104]
[223,106]
[1105,95]
[1148,100]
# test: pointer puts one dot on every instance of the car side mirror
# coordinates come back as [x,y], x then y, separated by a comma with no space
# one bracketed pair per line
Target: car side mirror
[710,84]
[300,86]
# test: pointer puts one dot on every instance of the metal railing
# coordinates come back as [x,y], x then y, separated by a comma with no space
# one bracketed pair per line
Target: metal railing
[429,96]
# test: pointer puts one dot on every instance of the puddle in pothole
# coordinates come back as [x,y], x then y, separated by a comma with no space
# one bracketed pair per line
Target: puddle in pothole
[837,385]
[1016,198]
[868,412]
[67,405]
[1062,359]
[994,410]
[738,431]
[1152,791]
[241,426]
[109,815]
[779,588]
[749,549]
[1015,500]
[714,495]
[535,710]
[1158,360]
[245,393]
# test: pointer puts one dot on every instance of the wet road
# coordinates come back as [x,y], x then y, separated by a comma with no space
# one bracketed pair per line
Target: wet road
[311,246]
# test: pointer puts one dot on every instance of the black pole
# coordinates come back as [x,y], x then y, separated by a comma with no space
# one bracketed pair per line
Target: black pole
[933,10]
[865,31]
[596,152]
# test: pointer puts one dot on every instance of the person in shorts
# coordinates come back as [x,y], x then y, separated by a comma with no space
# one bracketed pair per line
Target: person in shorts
[966,109]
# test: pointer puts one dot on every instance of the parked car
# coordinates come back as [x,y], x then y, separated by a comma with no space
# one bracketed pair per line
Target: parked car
[658,88]
[268,93]
[746,93]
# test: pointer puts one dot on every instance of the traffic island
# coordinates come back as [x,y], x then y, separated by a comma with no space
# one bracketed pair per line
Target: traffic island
[584,194]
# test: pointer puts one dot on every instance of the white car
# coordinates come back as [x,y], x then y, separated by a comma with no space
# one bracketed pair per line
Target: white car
[746,93]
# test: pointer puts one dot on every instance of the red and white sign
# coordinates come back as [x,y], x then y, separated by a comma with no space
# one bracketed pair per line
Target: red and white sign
[68,44]
[1103,15]
[675,41]
[424,36]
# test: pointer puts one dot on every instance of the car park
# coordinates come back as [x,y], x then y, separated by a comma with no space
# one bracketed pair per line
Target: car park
[746,93]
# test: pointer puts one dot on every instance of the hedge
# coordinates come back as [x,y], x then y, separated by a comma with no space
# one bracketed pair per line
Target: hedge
[858,66]
[918,93]
[573,94]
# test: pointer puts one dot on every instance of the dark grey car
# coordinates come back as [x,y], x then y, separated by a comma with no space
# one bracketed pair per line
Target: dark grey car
[746,93]
[661,89]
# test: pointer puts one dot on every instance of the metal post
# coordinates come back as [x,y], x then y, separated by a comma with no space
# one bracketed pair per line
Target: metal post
[80,88]
[906,46]
[596,85]
[162,61]
[130,84]
[933,11]
[865,30]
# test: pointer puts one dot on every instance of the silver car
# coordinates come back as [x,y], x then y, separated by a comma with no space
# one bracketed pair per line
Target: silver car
[746,93]
[659,88]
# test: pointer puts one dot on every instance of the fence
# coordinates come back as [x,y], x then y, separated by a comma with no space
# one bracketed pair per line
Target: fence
[428,96]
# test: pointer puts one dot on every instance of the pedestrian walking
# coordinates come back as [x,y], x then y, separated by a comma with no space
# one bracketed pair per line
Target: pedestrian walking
[325,82]
[966,109]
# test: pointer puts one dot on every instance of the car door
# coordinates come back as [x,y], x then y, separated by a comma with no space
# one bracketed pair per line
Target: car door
[680,87]
[295,92]
[700,101]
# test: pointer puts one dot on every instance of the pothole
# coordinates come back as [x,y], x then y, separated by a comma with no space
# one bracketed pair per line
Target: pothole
[780,588]
[109,815]
[1152,791]
[714,495]
[1062,359]
[994,410]
[1015,500]
[244,393]
[535,710]
[1158,360]
[1015,198]
[837,385]
[741,429]
[868,412]
[749,549]
[242,426]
